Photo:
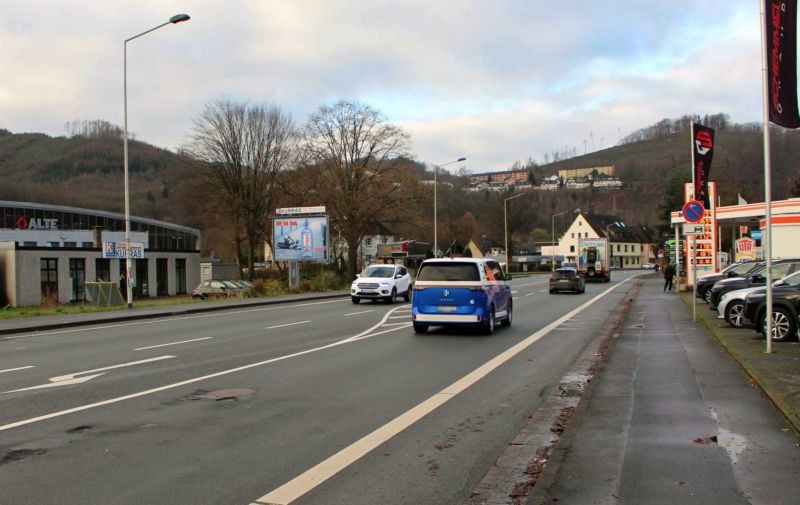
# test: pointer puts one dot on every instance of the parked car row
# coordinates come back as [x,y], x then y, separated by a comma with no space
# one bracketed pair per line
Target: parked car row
[218,288]
[738,294]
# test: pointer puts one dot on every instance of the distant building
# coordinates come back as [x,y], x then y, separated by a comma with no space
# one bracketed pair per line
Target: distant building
[631,246]
[508,177]
[575,173]
[49,252]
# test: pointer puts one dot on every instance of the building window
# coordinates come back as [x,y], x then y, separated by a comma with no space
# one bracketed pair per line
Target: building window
[29,243]
[162,288]
[102,269]
[573,235]
[49,276]
[140,288]
[368,241]
[180,276]
[572,248]
[77,278]
[87,245]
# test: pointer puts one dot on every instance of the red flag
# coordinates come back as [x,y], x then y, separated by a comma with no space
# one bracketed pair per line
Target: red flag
[703,148]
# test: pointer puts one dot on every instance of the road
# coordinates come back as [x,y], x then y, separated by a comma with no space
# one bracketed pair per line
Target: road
[308,403]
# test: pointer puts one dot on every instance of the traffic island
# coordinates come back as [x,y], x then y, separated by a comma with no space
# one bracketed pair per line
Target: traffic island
[776,374]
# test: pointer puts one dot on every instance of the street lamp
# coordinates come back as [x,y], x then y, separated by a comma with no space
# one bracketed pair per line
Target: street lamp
[129,288]
[505,224]
[435,234]
[553,245]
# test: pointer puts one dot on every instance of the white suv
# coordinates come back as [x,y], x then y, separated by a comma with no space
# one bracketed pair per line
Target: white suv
[381,282]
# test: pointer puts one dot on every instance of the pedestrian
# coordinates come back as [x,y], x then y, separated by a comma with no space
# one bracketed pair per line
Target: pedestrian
[669,274]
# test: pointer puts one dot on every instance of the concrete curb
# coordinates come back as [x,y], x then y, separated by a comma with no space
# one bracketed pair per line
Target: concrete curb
[171,311]
[522,474]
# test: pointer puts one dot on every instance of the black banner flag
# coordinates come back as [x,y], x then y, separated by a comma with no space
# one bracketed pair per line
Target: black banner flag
[703,140]
[781,44]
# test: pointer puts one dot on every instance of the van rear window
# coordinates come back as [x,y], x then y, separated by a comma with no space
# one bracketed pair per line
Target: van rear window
[449,272]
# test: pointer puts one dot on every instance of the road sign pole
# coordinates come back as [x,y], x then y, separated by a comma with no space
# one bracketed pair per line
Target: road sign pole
[694,277]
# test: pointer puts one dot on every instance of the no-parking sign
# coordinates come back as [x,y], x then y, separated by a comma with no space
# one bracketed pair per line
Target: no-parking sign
[693,211]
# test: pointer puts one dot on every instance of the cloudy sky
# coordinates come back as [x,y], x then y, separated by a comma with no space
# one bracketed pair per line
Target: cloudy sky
[492,80]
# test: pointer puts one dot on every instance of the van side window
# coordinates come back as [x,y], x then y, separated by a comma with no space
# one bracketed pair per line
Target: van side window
[489,272]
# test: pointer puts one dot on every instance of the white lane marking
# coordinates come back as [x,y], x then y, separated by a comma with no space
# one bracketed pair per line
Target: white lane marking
[363,335]
[65,380]
[514,292]
[396,324]
[356,313]
[166,320]
[531,294]
[305,482]
[544,291]
[399,317]
[285,325]
[529,284]
[171,343]
[15,369]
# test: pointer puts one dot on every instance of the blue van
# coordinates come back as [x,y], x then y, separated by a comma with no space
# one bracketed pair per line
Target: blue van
[461,291]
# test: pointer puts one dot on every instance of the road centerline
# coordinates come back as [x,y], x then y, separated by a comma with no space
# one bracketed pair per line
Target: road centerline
[171,343]
[285,325]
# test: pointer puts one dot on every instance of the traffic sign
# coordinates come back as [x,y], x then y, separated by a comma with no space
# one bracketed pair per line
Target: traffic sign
[693,229]
[693,211]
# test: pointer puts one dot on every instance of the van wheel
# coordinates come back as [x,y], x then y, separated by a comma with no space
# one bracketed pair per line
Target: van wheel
[420,328]
[488,326]
[507,320]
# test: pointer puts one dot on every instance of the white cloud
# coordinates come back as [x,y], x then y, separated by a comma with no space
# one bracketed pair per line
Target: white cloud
[496,81]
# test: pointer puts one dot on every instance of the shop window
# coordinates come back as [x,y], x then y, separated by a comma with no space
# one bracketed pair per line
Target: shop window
[49,279]
[180,276]
[77,279]
[102,269]
[162,288]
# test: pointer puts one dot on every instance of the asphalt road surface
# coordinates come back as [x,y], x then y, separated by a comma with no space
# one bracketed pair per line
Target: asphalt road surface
[307,403]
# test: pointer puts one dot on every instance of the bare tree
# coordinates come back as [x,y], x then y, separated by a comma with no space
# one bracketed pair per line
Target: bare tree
[352,154]
[244,148]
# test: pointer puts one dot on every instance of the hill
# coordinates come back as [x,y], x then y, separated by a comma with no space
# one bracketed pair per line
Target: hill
[86,170]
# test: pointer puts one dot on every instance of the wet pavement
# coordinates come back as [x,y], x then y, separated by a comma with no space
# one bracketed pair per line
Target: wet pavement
[683,412]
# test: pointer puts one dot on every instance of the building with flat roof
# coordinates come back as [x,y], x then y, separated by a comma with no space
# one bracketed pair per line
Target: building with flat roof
[49,252]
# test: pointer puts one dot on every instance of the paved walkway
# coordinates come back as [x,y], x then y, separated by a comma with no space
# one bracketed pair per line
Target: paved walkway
[673,419]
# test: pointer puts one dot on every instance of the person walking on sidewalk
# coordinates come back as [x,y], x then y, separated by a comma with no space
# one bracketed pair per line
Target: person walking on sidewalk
[669,274]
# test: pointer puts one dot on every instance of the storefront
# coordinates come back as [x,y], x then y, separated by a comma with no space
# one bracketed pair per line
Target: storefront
[48,253]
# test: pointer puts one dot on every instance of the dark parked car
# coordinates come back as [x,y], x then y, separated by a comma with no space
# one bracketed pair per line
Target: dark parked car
[756,277]
[706,282]
[785,308]
[215,288]
[567,279]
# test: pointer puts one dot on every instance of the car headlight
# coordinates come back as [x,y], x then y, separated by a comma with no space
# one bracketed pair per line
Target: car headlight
[385,284]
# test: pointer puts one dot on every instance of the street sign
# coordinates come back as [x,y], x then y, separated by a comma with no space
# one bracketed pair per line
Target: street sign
[693,229]
[693,211]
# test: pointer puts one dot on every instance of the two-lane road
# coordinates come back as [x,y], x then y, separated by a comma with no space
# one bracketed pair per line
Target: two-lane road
[317,402]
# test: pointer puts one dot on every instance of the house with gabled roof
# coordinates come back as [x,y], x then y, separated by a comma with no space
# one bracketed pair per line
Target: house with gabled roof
[631,245]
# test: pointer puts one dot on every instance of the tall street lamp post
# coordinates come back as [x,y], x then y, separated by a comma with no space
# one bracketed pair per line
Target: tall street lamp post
[553,246]
[435,231]
[129,288]
[505,224]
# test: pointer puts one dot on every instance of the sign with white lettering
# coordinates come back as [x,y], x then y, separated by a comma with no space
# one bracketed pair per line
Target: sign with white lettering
[291,211]
[36,223]
[117,250]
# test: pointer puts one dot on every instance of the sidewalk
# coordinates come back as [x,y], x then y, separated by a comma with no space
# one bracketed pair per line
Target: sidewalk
[776,374]
[672,419]
[43,323]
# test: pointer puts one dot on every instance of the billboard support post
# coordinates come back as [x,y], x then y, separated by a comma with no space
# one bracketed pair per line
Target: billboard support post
[294,274]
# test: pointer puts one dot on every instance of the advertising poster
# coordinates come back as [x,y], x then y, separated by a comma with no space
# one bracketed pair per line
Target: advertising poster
[300,238]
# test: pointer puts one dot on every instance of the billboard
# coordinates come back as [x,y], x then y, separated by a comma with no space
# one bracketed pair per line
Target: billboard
[300,238]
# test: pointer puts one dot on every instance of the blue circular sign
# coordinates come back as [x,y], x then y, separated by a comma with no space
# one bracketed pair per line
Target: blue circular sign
[693,211]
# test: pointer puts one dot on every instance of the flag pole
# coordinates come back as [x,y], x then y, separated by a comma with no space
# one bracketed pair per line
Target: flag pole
[766,238]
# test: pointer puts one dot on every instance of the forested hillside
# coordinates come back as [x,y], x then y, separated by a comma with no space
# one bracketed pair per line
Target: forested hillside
[85,169]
